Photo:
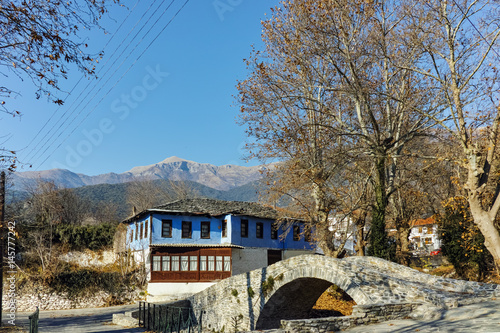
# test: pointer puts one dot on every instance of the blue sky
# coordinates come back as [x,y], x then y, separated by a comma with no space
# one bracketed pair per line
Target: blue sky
[176,100]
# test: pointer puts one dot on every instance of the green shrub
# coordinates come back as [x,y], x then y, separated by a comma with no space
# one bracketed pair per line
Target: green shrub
[93,237]
[84,281]
[462,242]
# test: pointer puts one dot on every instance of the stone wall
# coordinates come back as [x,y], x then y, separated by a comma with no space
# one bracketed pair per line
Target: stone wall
[90,258]
[50,301]
[361,315]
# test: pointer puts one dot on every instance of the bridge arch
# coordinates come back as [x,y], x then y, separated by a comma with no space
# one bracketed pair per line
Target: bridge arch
[294,300]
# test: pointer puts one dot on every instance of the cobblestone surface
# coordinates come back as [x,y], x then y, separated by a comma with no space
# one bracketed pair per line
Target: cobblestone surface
[479,317]
[482,317]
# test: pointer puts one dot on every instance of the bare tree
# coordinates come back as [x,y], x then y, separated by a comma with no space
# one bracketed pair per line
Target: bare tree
[331,82]
[459,48]
[146,194]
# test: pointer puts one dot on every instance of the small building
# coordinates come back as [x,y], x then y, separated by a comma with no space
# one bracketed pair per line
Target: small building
[424,235]
[188,245]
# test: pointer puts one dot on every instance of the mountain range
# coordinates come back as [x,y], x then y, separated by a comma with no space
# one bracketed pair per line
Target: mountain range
[222,178]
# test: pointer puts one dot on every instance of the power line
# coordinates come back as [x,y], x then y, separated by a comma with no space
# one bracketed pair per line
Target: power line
[110,76]
[475,28]
[156,37]
[67,116]
[71,91]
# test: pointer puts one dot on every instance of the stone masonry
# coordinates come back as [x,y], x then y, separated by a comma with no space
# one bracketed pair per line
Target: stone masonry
[287,290]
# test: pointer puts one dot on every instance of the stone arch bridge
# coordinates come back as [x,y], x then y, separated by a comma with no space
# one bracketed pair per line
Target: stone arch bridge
[260,299]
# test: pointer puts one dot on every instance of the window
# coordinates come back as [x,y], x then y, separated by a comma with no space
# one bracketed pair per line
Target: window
[205,229]
[131,235]
[141,230]
[156,263]
[165,263]
[211,263]
[419,230]
[184,263]
[428,241]
[244,228]
[227,263]
[136,231]
[224,228]
[146,229]
[429,230]
[296,233]
[166,228]
[307,235]
[259,230]
[175,263]
[203,263]
[186,229]
[274,231]
[193,263]
[218,263]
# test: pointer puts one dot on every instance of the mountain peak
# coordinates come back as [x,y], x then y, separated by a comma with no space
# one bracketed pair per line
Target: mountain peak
[174,159]
[174,168]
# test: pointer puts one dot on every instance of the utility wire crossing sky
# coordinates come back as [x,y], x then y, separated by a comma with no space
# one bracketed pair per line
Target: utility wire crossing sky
[165,87]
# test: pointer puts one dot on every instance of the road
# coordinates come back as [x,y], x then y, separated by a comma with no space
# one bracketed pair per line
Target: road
[77,320]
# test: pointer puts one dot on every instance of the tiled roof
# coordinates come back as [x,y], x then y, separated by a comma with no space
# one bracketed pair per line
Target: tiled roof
[197,245]
[212,207]
[427,221]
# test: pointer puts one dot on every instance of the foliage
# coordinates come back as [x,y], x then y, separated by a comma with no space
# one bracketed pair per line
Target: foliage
[380,244]
[267,286]
[462,242]
[93,237]
[80,281]
[250,291]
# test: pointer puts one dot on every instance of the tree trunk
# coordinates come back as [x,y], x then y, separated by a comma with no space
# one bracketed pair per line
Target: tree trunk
[360,235]
[486,224]
[379,245]
[402,242]
[484,219]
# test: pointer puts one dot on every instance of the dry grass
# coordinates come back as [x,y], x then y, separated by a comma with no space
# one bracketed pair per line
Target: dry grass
[335,299]
[9,329]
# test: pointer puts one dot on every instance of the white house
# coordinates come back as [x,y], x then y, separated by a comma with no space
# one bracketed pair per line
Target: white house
[424,234]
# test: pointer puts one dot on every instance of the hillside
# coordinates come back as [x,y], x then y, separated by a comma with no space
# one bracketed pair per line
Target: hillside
[116,193]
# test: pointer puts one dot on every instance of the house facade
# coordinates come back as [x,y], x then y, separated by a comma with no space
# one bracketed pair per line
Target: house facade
[190,244]
[424,235]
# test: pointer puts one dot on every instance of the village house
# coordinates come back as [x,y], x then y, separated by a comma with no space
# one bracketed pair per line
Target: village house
[190,244]
[424,235]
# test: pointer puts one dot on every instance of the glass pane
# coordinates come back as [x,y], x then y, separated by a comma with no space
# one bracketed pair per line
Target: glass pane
[184,263]
[175,263]
[218,264]
[165,263]
[227,263]
[193,263]
[156,263]
[211,263]
[203,263]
